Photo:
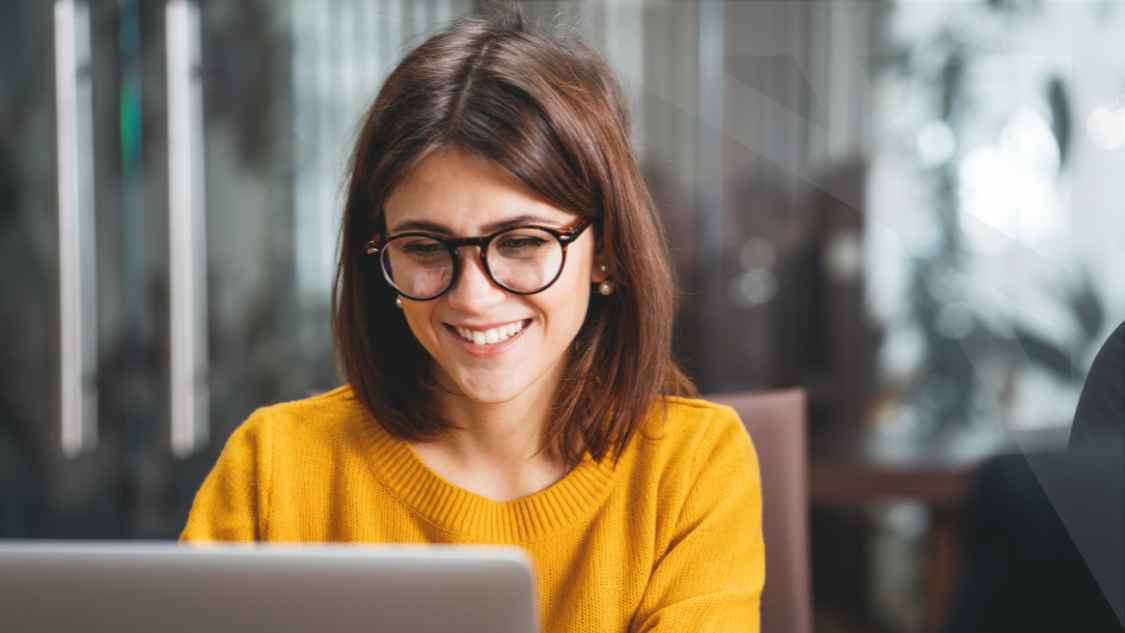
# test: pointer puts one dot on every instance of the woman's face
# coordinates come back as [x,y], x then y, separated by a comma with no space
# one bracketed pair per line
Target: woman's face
[455,194]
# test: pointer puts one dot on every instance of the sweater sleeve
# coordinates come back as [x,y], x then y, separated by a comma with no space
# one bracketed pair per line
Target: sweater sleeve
[232,503]
[711,577]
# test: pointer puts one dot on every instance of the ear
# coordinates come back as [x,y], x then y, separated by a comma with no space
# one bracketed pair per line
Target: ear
[600,270]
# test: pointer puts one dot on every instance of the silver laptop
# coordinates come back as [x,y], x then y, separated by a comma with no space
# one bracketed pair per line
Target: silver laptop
[127,587]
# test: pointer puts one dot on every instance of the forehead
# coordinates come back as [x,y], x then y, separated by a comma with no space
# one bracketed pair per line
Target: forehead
[464,194]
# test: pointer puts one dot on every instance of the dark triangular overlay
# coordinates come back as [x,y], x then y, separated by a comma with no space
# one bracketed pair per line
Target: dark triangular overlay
[1087,490]
[780,78]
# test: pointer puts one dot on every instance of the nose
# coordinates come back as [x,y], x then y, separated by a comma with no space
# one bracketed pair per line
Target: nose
[473,291]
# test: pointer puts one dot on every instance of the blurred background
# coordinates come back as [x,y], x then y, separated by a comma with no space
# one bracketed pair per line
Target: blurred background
[914,210]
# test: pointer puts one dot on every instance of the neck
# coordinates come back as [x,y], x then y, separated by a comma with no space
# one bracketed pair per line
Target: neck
[497,449]
[509,431]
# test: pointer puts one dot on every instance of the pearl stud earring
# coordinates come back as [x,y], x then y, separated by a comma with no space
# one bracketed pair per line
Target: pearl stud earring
[398,301]
[606,287]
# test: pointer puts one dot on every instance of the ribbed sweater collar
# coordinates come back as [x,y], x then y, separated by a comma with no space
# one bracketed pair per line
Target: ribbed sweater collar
[457,510]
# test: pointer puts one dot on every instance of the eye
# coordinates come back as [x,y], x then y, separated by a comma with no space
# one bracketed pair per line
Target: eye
[423,247]
[420,250]
[517,242]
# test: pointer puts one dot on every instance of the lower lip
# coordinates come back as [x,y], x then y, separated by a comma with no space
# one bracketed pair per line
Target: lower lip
[485,351]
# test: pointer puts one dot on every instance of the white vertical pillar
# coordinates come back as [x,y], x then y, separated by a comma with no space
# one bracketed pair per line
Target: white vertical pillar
[78,402]
[709,184]
[187,246]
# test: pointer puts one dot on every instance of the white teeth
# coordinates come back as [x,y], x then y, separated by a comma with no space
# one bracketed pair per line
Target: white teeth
[488,337]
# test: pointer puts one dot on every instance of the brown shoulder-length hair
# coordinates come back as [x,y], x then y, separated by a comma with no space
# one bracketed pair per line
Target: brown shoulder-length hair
[549,112]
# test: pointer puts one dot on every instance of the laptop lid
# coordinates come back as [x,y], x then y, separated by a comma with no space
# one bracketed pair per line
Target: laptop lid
[135,587]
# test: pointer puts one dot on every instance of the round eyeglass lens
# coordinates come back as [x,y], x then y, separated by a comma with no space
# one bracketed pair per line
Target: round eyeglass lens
[525,260]
[418,266]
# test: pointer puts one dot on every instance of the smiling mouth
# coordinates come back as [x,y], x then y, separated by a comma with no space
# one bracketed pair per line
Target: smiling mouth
[489,337]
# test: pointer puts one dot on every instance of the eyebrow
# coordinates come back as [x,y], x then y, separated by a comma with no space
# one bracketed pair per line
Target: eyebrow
[488,229]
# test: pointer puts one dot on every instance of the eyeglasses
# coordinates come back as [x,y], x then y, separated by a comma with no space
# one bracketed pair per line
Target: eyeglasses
[523,260]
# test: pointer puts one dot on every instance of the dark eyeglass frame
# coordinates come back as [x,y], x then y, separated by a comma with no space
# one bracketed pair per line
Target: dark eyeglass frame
[565,238]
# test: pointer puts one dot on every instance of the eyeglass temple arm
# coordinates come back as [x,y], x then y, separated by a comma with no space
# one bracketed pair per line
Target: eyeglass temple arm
[573,232]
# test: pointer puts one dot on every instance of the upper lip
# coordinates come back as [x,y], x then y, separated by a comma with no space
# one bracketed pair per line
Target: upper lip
[486,326]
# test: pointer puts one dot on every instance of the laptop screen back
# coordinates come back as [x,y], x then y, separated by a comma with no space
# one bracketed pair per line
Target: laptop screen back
[128,588]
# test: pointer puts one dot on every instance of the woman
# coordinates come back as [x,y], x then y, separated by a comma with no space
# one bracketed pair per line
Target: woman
[503,314]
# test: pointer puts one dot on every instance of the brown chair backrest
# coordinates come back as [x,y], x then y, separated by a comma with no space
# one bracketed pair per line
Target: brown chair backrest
[775,421]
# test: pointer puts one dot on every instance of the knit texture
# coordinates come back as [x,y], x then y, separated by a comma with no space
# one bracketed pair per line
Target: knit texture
[667,539]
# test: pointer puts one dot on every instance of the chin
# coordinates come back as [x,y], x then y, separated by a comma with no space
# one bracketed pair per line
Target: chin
[492,391]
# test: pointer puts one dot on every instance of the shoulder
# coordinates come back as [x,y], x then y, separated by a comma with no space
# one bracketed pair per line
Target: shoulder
[278,455]
[693,418]
[692,432]
[324,417]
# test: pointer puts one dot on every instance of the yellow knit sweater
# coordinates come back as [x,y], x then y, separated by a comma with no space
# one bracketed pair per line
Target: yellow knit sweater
[669,539]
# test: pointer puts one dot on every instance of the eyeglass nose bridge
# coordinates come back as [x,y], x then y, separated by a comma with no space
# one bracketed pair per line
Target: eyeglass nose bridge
[452,245]
[481,242]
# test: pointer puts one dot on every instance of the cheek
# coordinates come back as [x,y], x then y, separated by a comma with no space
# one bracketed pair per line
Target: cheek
[418,318]
[568,307]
